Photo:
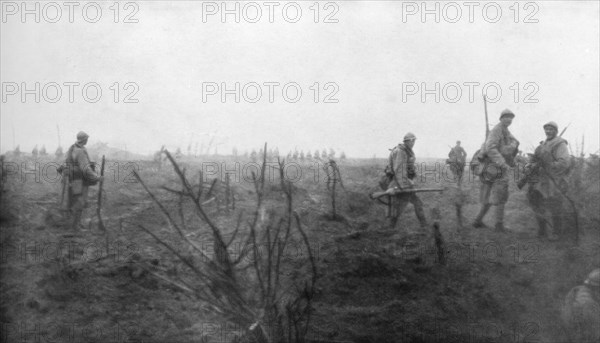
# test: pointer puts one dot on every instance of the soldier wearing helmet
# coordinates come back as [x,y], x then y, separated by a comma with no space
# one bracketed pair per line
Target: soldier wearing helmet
[593,279]
[81,174]
[581,310]
[456,159]
[497,155]
[402,164]
[460,152]
[549,167]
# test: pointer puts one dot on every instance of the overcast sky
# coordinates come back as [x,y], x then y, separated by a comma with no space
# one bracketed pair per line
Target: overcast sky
[372,58]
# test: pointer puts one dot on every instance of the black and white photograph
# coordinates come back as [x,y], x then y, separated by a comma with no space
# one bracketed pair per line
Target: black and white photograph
[308,171]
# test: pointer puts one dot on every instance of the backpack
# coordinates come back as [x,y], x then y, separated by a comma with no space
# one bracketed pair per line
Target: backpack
[388,173]
[477,160]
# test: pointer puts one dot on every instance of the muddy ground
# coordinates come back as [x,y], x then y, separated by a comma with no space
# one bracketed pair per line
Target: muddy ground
[376,284]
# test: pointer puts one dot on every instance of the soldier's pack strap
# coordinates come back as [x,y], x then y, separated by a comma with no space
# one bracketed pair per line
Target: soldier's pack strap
[75,171]
[69,158]
[553,147]
[389,169]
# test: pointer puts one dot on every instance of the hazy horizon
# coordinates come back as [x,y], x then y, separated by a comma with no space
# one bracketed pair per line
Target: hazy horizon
[369,57]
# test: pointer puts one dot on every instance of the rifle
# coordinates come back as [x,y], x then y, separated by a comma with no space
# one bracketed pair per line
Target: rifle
[58,134]
[529,174]
[396,191]
[565,129]
[487,125]
[487,133]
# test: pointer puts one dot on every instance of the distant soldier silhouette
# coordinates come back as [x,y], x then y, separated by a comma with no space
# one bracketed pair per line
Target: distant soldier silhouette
[178,154]
[158,159]
[457,159]
[581,310]
[59,153]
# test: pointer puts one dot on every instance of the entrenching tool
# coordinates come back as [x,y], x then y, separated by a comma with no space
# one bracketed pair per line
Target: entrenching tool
[396,191]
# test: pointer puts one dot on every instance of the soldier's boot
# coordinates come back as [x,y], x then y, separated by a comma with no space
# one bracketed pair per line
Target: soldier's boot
[76,223]
[500,218]
[393,221]
[461,174]
[552,237]
[541,227]
[556,228]
[65,217]
[478,223]
[421,216]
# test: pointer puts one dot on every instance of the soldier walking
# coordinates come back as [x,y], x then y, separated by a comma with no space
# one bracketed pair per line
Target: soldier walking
[549,167]
[460,152]
[402,163]
[497,156]
[457,159]
[80,175]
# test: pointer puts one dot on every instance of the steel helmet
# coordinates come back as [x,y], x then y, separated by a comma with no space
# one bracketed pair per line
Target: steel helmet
[593,278]
[552,124]
[507,113]
[409,136]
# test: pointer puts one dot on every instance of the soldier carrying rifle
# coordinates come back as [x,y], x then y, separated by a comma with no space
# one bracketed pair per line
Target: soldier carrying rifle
[497,155]
[402,166]
[398,185]
[78,175]
[546,174]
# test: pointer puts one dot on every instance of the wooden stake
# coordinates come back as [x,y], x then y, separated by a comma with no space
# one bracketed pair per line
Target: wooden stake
[58,134]
[227,193]
[99,208]
[13,131]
